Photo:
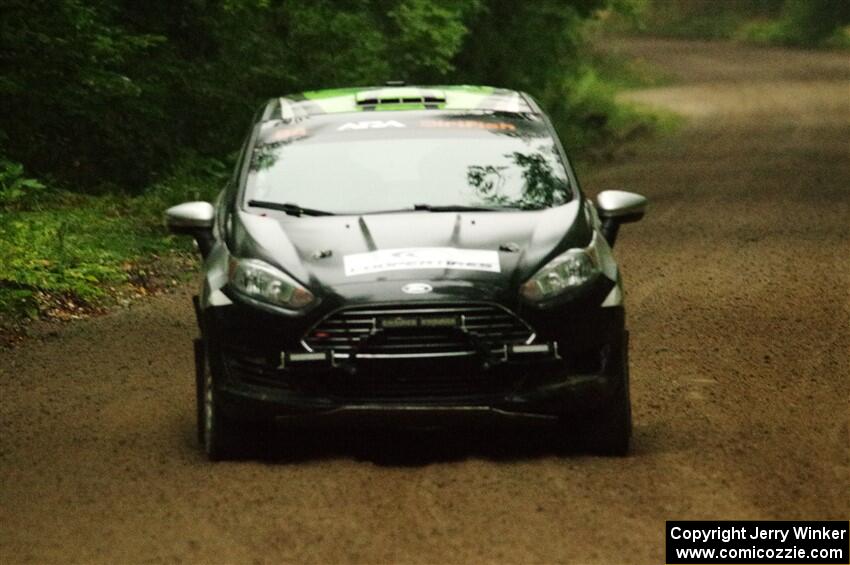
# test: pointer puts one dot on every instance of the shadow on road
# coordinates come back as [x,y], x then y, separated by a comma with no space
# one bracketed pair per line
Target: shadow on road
[412,448]
[416,448]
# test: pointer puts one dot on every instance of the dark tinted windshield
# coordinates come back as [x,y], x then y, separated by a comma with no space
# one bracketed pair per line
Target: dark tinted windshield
[381,161]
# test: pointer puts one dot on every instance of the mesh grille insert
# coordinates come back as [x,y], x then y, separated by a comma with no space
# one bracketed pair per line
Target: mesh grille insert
[418,330]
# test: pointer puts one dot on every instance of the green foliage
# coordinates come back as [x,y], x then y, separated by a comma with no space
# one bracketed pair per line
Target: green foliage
[537,47]
[17,303]
[422,27]
[598,123]
[703,19]
[16,190]
[65,96]
[79,245]
[73,250]
[778,22]
[811,22]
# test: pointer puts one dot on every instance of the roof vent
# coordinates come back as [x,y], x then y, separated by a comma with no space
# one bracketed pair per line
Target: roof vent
[388,96]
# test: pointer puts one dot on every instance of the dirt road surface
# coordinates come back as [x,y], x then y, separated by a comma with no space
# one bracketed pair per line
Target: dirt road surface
[738,285]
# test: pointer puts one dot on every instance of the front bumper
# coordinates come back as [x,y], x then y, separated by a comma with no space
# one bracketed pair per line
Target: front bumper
[534,388]
[573,395]
[262,371]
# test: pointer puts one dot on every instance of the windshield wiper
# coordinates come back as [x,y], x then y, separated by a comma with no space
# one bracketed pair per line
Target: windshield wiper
[459,208]
[289,208]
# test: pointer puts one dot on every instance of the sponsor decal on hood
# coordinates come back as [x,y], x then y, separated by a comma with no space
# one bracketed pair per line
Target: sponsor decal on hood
[421,258]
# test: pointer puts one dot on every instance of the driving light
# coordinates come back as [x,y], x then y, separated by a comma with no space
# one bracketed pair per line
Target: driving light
[565,272]
[261,281]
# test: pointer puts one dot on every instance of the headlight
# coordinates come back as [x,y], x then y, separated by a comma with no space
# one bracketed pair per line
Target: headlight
[261,281]
[565,272]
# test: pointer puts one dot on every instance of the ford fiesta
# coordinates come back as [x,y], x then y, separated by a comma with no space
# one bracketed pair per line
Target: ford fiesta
[411,257]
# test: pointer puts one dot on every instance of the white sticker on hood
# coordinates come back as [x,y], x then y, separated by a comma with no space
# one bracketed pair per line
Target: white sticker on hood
[421,258]
[371,124]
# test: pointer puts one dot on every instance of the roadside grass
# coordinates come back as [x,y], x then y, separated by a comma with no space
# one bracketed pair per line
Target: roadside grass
[619,73]
[778,32]
[721,25]
[761,23]
[63,255]
[607,124]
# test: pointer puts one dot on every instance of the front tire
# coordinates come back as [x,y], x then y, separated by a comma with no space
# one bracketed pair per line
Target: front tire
[200,364]
[219,434]
[222,438]
[608,430]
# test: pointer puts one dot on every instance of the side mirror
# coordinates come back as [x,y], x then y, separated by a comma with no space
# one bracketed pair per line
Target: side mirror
[195,219]
[618,207]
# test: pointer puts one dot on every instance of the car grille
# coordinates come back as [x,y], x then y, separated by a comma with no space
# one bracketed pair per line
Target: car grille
[415,331]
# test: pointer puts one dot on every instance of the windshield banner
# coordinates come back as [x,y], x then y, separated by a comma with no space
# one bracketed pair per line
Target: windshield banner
[422,258]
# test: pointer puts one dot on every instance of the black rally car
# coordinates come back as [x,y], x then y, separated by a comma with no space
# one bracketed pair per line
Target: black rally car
[408,256]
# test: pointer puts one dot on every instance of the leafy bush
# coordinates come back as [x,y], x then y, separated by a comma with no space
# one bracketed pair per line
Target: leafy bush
[537,47]
[812,22]
[779,22]
[762,31]
[84,247]
[16,190]
[66,251]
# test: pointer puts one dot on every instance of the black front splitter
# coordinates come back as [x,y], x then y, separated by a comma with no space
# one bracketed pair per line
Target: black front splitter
[410,417]
[573,395]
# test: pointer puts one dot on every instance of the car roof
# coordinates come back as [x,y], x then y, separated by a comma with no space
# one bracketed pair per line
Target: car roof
[295,107]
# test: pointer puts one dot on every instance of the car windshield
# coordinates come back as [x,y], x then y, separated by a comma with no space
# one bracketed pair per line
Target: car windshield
[385,161]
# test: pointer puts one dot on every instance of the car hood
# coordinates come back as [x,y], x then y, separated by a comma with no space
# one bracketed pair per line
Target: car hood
[490,251]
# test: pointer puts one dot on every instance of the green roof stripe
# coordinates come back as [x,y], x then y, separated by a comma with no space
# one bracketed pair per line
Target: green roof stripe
[462,97]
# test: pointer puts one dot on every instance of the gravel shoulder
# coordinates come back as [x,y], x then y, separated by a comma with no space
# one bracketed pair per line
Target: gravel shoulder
[738,288]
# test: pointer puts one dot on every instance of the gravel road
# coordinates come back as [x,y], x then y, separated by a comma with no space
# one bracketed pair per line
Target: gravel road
[738,287]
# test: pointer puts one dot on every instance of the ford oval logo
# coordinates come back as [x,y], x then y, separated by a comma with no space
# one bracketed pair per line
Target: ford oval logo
[417,288]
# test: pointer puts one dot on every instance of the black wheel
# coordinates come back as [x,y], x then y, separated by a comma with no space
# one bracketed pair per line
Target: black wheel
[221,437]
[608,430]
[200,363]
[611,431]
